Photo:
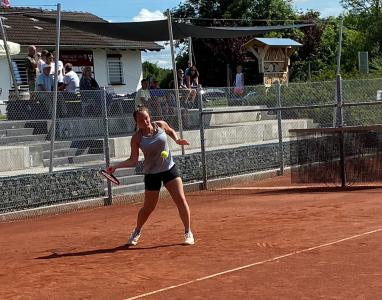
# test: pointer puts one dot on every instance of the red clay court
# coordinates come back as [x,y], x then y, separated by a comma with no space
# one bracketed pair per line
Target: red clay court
[266,240]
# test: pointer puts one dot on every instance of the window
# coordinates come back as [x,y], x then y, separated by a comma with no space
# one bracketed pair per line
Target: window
[114,69]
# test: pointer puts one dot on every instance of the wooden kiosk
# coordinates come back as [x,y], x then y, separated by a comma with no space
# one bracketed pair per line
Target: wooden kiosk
[273,57]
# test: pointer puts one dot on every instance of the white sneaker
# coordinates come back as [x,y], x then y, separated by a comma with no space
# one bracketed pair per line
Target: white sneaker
[189,238]
[134,238]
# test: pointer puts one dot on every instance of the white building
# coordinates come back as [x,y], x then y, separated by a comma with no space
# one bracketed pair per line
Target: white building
[116,63]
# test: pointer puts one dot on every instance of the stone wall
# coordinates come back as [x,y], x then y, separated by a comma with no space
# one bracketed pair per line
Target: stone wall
[230,162]
[29,191]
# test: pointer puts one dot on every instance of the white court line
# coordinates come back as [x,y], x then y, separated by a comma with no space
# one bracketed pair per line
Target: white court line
[253,264]
[289,187]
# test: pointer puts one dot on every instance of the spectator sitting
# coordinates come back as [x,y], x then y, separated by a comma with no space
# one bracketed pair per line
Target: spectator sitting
[87,82]
[45,81]
[194,77]
[143,94]
[188,95]
[44,85]
[89,97]
[70,85]
[71,80]
[158,99]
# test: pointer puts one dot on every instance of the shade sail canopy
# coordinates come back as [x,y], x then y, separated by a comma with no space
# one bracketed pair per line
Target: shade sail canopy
[158,30]
[13,48]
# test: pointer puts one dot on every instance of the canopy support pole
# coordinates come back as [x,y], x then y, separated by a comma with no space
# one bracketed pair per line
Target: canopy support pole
[174,71]
[9,59]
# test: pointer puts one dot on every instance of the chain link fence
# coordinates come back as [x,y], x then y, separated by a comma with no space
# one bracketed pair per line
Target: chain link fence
[243,131]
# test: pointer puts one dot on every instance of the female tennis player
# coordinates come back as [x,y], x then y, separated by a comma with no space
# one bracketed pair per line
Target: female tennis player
[151,138]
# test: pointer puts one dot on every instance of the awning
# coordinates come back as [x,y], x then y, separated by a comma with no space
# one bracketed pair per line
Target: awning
[158,30]
[14,48]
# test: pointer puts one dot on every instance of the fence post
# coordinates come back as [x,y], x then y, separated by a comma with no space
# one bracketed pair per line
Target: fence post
[338,113]
[54,104]
[339,108]
[202,139]
[109,198]
[280,131]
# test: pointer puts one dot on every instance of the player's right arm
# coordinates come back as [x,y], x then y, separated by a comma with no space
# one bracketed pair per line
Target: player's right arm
[134,155]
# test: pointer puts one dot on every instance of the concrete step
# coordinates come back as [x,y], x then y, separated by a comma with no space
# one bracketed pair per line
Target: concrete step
[60,153]
[268,116]
[127,180]
[19,131]
[21,139]
[40,147]
[87,157]
[58,161]
[68,160]
[12,124]
[191,117]
[128,189]
[125,172]
[57,145]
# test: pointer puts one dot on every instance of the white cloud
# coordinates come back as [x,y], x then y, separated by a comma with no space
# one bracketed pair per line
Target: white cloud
[162,58]
[330,11]
[146,15]
[325,7]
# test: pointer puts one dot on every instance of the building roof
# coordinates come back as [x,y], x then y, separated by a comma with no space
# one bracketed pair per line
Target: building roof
[273,42]
[23,26]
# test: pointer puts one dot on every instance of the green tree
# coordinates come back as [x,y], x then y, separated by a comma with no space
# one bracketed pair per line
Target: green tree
[366,17]
[213,55]
[152,71]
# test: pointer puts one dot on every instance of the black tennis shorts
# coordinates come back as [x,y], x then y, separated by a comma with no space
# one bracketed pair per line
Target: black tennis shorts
[153,182]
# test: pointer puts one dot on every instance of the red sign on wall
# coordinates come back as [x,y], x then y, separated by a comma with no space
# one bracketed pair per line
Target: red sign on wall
[78,58]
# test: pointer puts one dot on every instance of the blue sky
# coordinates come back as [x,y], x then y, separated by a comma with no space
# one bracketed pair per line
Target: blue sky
[139,10]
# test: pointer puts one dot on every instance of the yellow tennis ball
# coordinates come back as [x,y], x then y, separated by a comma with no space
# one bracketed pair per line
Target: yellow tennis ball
[164,154]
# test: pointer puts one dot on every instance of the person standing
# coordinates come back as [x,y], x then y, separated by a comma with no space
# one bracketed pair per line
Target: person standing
[31,67]
[187,75]
[239,81]
[151,138]
[61,71]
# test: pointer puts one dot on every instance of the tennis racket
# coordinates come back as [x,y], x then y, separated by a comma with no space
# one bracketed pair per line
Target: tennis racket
[109,177]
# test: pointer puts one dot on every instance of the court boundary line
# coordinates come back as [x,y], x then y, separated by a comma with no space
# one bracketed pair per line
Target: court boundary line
[254,264]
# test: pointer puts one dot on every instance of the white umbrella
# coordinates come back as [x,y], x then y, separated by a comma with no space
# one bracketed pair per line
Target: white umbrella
[14,48]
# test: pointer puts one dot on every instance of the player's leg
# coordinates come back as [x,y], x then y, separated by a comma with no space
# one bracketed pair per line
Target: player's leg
[152,188]
[175,188]
[149,204]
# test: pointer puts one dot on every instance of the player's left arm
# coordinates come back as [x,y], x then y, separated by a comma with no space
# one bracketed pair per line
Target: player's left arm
[171,133]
